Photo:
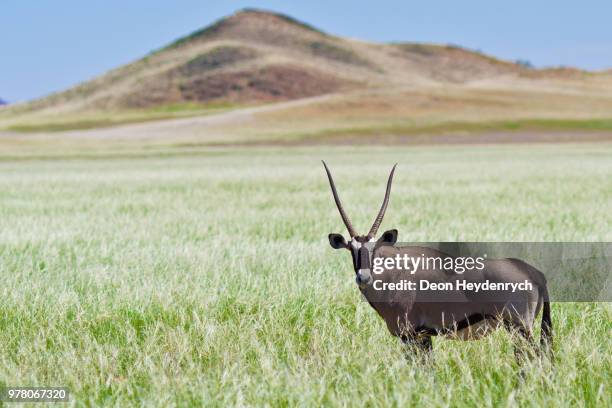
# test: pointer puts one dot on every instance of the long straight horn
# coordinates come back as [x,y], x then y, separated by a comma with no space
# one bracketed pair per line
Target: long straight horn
[383,208]
[345,217]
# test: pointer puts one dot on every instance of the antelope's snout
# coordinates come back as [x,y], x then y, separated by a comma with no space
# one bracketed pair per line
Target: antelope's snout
[363,277]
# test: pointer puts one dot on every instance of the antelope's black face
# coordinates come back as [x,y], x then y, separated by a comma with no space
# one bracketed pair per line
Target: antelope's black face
[362,246]
[362,250]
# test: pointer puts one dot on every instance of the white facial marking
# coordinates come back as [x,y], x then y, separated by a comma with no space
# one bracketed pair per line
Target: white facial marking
[355,244]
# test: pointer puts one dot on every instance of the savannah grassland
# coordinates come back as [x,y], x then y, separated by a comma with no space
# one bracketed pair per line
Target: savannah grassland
[206,278]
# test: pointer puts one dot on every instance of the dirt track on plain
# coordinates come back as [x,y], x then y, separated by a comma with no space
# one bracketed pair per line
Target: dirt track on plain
[220,130]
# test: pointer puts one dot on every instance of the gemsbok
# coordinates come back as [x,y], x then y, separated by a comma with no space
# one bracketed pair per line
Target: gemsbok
[415,316]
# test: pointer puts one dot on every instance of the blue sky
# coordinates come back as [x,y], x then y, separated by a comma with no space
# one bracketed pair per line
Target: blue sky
[49,45]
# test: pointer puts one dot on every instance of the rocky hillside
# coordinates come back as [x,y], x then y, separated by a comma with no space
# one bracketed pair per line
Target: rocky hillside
[255,56]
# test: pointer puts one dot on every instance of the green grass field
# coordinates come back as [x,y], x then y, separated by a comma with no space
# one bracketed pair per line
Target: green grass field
[207,278]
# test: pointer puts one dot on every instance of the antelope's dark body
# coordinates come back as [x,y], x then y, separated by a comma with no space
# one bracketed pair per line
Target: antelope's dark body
[462,315]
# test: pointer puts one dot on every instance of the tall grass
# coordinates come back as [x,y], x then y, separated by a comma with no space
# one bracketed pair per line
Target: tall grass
[208,279]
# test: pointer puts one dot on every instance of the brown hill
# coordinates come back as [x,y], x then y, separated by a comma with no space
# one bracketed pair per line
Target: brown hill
[328,89]
[255,56]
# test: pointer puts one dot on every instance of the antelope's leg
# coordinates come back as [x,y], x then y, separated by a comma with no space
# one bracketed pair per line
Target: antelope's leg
[524,346]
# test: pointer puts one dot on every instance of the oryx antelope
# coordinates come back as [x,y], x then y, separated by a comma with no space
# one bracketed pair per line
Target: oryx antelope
[415,316]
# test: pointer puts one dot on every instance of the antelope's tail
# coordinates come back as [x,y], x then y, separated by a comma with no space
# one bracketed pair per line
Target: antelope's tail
[546,337]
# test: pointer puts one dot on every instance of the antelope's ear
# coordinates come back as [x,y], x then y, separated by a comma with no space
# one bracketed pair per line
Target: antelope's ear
[337,241]
[388,238]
